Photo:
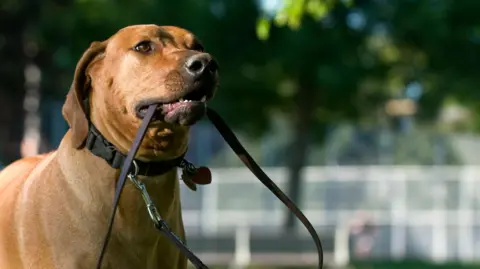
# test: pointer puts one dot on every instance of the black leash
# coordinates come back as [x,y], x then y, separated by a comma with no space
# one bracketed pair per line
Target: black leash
[127,164]
[233,142]
[160,224]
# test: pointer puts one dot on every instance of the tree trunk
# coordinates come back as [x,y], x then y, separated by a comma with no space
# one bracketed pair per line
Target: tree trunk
[302,121]
[12,77]
[11,86]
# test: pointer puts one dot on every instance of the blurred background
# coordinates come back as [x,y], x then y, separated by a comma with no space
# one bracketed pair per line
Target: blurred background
[363,111]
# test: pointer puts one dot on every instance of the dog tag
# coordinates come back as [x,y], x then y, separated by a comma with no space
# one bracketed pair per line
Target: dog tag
[203,176]
[189,183]
[192,177]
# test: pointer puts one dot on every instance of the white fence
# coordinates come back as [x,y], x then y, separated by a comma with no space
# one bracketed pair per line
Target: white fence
[413,211]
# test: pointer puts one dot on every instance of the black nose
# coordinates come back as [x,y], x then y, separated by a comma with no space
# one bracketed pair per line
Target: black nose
[199,64]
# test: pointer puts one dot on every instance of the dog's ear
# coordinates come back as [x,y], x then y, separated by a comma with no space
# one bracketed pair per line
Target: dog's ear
[74,110]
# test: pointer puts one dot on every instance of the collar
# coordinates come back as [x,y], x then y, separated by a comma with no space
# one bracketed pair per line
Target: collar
[101,147]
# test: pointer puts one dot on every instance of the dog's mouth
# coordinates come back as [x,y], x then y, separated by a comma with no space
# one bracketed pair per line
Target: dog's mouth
[185,110]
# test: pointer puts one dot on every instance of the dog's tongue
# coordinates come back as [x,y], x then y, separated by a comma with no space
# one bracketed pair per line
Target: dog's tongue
[184,113]
[167,108]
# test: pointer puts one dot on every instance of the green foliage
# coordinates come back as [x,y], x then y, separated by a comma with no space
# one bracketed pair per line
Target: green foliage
[263,28]
[292,12]
[313,62]
[307,47]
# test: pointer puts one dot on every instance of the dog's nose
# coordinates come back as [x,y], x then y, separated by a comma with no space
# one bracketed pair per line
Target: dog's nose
[199,64]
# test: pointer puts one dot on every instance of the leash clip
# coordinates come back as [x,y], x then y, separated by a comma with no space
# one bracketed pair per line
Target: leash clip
[187,167]
[188,173]
[158,222]
[152,209]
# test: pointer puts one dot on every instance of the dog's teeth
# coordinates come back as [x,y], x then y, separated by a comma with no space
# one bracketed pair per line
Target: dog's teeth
[181,100]
[204,98]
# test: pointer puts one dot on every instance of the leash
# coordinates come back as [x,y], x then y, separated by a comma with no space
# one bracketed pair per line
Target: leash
[127,164]
[160,224]
[237,147]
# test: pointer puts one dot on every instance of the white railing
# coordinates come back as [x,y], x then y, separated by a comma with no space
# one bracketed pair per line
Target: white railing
[422,212]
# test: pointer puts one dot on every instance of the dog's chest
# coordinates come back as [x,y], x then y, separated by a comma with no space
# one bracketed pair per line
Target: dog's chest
[154,253]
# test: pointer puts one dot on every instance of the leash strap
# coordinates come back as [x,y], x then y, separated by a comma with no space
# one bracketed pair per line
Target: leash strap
[124,173]
[232,140]
[160,224]
[163,227]
[127,164]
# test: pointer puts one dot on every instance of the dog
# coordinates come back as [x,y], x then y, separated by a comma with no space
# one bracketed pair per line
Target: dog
[55,207]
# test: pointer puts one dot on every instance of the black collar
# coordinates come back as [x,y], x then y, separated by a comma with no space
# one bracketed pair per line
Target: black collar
[101,147]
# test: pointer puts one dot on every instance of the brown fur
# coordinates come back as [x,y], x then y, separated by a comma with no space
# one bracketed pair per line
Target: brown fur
[54,207]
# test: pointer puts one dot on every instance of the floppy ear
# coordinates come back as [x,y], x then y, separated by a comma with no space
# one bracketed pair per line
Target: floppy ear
[74,110]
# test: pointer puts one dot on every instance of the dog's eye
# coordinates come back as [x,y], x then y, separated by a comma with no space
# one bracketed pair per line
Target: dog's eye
[144,47]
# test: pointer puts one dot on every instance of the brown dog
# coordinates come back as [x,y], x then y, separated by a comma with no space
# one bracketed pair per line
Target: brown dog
[55,207]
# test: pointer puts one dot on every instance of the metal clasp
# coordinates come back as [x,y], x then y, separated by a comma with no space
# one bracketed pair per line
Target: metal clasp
[152,209]
[187,167]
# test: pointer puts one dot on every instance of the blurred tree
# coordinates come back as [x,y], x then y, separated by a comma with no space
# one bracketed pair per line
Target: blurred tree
[347,58]
[17,25]
[326,61]
[313,77]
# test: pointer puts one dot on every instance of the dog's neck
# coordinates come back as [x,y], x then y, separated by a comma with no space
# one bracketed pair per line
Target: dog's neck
[99,146]
[93,183]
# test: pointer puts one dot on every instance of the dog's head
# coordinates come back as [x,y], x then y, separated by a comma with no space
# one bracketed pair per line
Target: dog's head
[138,66]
